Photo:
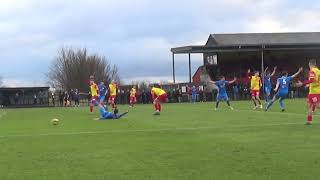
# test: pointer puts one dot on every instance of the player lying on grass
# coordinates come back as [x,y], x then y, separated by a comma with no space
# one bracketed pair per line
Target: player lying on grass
[282,89]
[255,85]
[222,93]
[109,115]
[314,89]
[267,82]
[159,96]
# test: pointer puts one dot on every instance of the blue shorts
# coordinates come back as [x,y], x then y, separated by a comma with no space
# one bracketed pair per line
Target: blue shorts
[282,95]
[102,98]
[223,97]
[267,90]
[194,96]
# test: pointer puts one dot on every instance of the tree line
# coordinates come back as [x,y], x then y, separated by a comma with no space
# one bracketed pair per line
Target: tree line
[71,69]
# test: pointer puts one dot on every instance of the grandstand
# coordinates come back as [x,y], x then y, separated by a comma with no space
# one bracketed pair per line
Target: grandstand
[233,54]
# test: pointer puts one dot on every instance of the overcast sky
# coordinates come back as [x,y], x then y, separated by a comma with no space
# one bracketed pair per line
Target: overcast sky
[136,35]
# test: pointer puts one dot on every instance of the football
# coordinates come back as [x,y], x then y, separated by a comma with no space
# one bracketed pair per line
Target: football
[55,122]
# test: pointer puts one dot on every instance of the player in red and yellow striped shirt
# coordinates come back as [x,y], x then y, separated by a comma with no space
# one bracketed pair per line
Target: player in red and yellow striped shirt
[255,85]
[94,91]
[133,96]
[159,96]
[113,88]
[314,89]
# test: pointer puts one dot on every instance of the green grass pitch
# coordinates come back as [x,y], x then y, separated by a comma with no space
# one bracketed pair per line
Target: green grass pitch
[186,142]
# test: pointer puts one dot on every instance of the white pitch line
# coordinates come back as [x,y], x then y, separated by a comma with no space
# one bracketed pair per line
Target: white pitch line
[141,130]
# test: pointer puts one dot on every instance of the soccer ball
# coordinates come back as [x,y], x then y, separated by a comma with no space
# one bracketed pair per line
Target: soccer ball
[55,122]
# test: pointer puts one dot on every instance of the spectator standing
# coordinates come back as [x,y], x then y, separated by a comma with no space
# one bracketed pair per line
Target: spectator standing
[235,91]
[61,96]
[16,98]
[40,97]
[76,98]
[66,99]
[201,95]
[53,98]
[144,97]
[35,99]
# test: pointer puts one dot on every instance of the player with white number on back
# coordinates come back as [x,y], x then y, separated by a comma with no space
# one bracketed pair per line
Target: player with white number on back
[282,89]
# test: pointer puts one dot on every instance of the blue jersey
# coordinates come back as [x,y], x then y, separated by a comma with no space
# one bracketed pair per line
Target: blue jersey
[222,86]
[102,89]
[105,114]
[194,91]
[267,81]
[284,84]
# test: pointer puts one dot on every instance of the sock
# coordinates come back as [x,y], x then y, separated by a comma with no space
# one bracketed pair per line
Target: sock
[228,103]
[159,107]
[281,103]
[309,118]
[254,102]
[313,108]
[156,106]
[217,104]
[259,101]
[270,104]
[91,108]
[267,98]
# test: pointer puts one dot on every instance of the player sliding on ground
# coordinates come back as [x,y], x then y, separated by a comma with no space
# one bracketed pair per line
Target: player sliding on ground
[222,93]
[282,89]
[94,91]
[255,85]
[314,89]
[109,115]
[159,96]
[267,82]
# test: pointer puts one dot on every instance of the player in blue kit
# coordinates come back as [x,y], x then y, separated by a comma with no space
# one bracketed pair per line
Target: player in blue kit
[222,92]
[102,92]
[282,89]
[109,115]
[267,82]
[194,94]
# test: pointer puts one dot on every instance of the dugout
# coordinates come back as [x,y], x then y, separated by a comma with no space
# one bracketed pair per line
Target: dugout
[233,54]
[24,97]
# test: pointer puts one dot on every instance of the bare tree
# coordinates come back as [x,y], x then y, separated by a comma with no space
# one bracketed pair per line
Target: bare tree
[71,68]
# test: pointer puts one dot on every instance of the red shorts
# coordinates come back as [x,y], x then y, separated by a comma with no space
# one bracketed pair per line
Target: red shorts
[112,99]
[94,99]
[313,99]
[255,93]
[133,99]
[163,97]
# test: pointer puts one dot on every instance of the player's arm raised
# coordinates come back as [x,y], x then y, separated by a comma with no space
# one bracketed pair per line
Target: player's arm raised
[233,81]
[277,86]
[274,71]
[265,70]
[297,73]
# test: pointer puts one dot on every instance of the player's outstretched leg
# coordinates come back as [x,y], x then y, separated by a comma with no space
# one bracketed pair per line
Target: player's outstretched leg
[270,103]
[121,115]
